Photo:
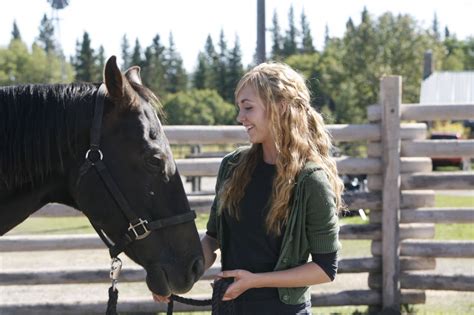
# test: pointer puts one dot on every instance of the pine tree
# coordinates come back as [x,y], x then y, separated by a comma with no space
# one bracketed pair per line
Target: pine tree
[290,41]
[435,27]
[136,58]
[235,71]
[327,38]
[176,76]
[221,66]
[153,72]
[199,77]
[100,63]
[16,31]
[85,61]
[277,39]
[213,62]
[307,46]
[125,47]
[447,34]
[46,35]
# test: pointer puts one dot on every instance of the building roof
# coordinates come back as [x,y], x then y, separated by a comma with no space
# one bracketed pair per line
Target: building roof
[448,88]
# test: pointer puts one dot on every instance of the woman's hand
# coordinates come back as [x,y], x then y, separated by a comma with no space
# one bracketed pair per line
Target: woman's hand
[160,298]
[243,280]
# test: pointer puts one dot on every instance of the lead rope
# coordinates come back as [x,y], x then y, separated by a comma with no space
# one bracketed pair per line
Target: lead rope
[115,268]
[219,307]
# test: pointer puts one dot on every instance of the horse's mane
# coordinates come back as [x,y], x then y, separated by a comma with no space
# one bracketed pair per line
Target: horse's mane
[37,124]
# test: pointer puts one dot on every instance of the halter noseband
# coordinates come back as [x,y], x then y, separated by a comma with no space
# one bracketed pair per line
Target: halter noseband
[138,228]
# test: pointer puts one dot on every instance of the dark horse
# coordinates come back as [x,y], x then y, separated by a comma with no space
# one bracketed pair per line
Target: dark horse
[45,132]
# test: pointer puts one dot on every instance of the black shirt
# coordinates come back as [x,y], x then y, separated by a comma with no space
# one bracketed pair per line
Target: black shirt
[249,245]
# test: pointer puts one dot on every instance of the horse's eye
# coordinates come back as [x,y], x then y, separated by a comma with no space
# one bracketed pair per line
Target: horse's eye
[153,134]
[155,162]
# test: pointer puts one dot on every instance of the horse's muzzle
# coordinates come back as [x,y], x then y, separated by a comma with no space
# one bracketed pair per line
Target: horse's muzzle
[167,279]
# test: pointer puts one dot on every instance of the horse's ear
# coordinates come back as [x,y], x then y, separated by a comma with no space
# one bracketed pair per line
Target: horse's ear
[133,75]
[114,79]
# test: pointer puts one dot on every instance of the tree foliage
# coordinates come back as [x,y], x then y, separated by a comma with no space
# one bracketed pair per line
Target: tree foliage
[198,107]
[343,75]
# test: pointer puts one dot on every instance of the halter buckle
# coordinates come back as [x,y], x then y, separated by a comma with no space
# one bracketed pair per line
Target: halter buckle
[142,232]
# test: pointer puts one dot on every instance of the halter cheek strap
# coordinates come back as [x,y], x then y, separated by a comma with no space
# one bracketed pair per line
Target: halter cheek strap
[138,228]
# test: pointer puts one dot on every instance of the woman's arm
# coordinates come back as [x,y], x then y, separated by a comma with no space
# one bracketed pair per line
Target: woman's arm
[209,247]
[304,275]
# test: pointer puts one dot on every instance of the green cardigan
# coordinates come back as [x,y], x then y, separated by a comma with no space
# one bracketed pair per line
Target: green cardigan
[312,226]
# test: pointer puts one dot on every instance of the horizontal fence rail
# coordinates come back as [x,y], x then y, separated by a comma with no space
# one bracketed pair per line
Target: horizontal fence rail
[353,200]
[430,248]
[92,241]
[431,215]
[422,112]
[435,181]
[237,134]
[427,281]
[136,273]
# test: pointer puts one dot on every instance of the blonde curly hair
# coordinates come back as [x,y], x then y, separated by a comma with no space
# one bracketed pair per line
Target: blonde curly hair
[300,136]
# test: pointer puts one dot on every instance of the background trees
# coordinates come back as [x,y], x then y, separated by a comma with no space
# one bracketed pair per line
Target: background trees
[343,74]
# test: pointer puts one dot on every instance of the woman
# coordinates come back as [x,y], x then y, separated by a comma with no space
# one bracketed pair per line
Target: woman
[276,201]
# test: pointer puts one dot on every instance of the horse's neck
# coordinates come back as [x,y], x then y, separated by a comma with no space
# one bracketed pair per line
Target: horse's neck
[27,191]
[15,207]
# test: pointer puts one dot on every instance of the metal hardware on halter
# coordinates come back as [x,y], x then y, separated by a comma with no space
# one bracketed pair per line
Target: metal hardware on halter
[115,268]
[142,223]
[101,156]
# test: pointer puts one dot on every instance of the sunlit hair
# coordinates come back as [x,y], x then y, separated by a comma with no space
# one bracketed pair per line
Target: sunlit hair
[300,135]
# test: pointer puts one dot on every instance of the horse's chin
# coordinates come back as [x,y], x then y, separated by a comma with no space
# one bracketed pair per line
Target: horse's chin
[159,283]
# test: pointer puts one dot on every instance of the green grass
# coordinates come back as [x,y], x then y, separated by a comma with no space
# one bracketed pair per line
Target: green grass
[454,231]
[454,201]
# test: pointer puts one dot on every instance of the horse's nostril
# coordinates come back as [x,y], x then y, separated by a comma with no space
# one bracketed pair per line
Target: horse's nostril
[197,268]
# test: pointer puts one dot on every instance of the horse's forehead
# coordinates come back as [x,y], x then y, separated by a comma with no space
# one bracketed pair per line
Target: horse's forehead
[150,117]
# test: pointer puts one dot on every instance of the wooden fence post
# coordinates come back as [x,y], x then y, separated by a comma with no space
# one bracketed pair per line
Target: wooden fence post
[390,100]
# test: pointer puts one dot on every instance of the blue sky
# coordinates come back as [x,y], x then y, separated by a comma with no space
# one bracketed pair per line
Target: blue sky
[191,21]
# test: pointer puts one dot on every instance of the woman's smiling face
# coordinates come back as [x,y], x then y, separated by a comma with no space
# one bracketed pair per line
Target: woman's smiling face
[253,116]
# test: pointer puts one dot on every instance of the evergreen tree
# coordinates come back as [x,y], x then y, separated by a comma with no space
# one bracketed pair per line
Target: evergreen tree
[435,27]
[446,32]
[85,60]
[290,40]
[176,76]
[277,39]
[136,58]
[125,47]
[199,77]
[235,71]
[221,66]
[326,35]
[153,72]
[212,60]
[100,64]
[46,35]
[16,31]
[307,46]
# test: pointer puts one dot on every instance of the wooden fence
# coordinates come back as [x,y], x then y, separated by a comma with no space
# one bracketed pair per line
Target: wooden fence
[399,200]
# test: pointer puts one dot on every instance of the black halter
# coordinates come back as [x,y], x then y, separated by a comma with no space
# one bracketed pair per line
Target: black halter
[138,228]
